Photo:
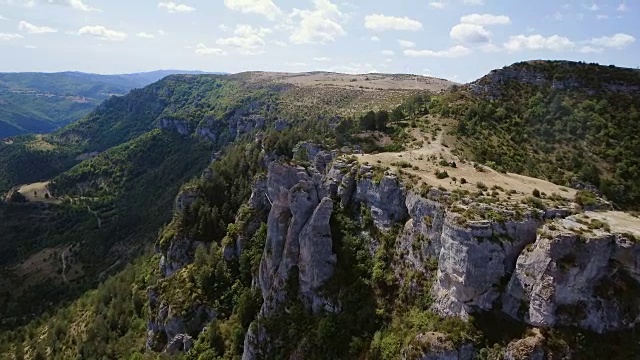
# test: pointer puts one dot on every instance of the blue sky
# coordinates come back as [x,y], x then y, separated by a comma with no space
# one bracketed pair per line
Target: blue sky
[455,39]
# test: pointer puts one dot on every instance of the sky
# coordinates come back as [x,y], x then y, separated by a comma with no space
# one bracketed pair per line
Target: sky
[460,40]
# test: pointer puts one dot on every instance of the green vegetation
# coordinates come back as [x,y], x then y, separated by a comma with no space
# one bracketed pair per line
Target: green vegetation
[45,102]
[113,205]
[130,188]
[585,131]
[109,322]
[586,198]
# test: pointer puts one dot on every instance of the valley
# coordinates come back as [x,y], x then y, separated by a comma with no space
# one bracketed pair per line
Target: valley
[45,102]
[323,216]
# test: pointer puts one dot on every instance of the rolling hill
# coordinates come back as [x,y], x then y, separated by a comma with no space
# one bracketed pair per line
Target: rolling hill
[44,102]
[330,216]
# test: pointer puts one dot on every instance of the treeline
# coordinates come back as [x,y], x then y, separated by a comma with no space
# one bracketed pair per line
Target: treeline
[565,136]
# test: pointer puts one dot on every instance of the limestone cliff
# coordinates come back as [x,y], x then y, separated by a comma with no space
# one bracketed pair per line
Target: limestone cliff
[574,277]
[543,267]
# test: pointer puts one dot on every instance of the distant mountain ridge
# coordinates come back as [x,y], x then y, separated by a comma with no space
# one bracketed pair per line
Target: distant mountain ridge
[33,102]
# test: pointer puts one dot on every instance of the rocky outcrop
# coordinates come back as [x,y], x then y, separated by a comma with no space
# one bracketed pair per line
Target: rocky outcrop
[529,348]
[180,251]
[436,346]
[169,330]
[298,236]
[185,199]
[179,254]
[557,75]
[421,237]
[244,124]
[522,261]
[385,199]
[178,125]
[209,129]
[475,259]
[576,278]
[248,220]
[298,241]
[317,259]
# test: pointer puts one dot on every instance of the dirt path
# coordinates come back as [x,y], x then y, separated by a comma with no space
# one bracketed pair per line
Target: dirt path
[96,215]
[63,257]
[425,162]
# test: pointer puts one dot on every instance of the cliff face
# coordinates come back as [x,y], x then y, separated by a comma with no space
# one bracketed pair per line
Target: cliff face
[534,267]
[558,75]
[566,278]
[474,259]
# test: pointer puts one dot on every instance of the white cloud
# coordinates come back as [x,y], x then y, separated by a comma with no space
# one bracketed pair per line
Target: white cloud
[489,48]
[589,50]
[280,43]
[485,19]
[452,52]
[379,22]
[296,64]
[172,7]
[248,40]
[321,59]
[102,33]
[388,52]
[470,33]
[593,7]
[539,42]
[223,27]
[161,32]
[406,43]
[602,17]
[354,68]
[558,16]
[375,38]
[202,49]
[561,43]
[474,2]
[33,29]
[437,4]
[318,26]
[622,7]
[265,8]
[145,35]
[74,4]
[617,41]
[7,37]
[79,5]
[30,47]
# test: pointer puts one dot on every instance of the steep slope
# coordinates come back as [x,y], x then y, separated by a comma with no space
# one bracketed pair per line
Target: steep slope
[44,102]
[286,249]
[567,122]
[105,183]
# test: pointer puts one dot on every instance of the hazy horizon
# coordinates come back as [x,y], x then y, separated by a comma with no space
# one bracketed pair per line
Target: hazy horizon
[459,40]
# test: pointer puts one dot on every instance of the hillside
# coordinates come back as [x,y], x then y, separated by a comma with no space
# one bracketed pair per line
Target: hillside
[44,102]
[317,217]
[570,123]
[104,185]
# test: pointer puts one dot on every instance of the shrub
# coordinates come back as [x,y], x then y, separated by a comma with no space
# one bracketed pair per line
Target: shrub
[536,193]
[463,181]
[442,174]
[586,198]
[402,164]
[482,186]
